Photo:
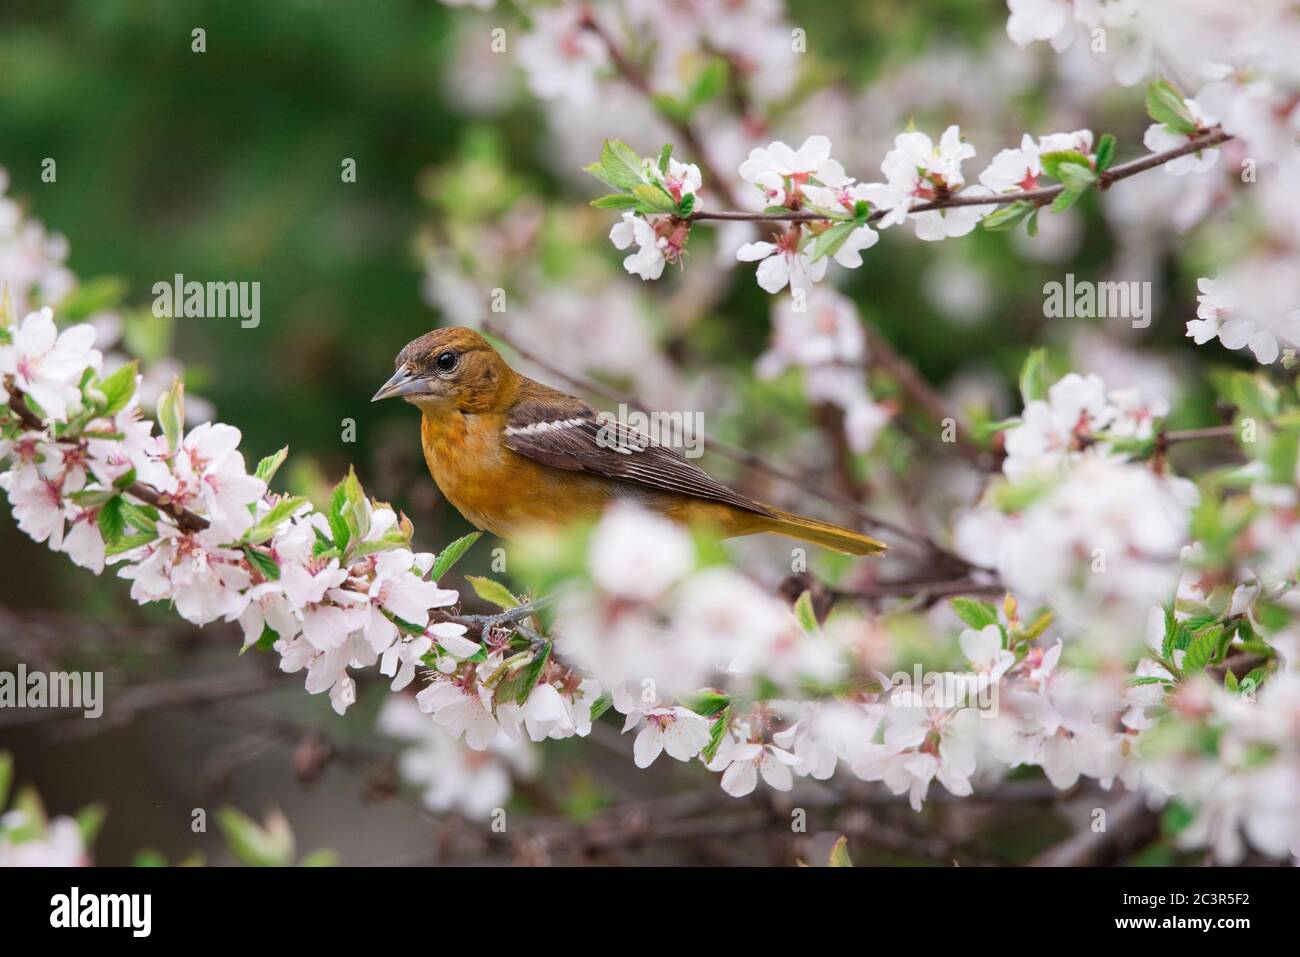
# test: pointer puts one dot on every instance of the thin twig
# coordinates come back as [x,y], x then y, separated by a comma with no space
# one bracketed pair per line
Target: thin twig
[1128,824]
[638,81]
[881,354]
[1191,435]
[1039,197]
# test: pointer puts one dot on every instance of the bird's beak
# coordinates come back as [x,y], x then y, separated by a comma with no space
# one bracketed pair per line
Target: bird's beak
[403,382]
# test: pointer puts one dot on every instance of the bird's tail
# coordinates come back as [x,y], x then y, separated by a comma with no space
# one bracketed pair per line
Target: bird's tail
[821,533]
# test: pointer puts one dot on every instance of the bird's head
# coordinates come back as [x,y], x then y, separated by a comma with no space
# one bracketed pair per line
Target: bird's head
[450,370]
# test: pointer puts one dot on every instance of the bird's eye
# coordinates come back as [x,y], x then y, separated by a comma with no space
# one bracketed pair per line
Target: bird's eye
[446,361]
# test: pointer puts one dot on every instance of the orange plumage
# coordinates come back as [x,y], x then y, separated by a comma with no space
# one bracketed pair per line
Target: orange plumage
[511,453]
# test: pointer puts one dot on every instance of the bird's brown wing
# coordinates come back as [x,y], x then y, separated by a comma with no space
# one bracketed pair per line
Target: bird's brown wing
[565,433]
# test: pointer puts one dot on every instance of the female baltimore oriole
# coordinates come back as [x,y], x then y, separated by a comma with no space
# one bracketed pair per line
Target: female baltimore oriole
[511,453]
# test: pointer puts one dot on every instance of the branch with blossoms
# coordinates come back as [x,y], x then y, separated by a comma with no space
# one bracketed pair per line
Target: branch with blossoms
[830,215]
[339,588]
[704,663]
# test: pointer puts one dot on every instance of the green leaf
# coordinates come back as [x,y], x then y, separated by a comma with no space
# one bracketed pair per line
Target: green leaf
[829,240]
[263,562]
[519,682]
[142,518]
[1105,152]
[708,703]
[665,155]
[112,522]
[983,431]
[710,81]
[804,614]
[7,776]
[118,388]
[598,707]
[267,639]
[88,298]
[1065,200]
[1201,649]
[1007,217]
[280,512]
[256,845]
[616,201]
[1040,625]
[90,820]
[686,206]
[1077,179]
[1054,163]
[267,468]
[357,512]
[171,412]
[533,673]
[334,516]
[1165,104]
[453,553]
[1252,681]
[492,592]
[92,497]
[128,543]
[840,853]
[976,614]
[321,858]
[1031,227]
[619,166]
[717,731]
[1033,376]
[654,197]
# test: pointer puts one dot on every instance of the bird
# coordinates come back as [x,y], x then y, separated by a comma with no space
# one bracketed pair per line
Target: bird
[512,454]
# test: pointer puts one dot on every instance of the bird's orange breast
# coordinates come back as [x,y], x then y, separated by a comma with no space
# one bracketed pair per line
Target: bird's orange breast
[497,489]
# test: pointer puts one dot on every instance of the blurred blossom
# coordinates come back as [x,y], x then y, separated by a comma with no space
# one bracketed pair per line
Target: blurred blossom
[559,56]
[823,336]
[1255,305]
[25,842]
[31,258]
[1077,412]
[451,776]
[958,290]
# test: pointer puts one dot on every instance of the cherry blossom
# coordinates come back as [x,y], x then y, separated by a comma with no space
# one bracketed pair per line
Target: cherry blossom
[47,364]
[560,57]
[649,259]
[742,762]
[918,170]
[1159,138]
[780,171]
[677,730]
[784,262]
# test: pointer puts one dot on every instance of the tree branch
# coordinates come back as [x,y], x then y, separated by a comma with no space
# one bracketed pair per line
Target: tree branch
[186,520]
[638,81]
[1039,197]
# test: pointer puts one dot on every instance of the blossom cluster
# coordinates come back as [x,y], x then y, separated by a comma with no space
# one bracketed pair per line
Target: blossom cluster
[828,214]
[178,515]
[825,341]
[31,838]
[703,662]
[1079,524]
[1241,61]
